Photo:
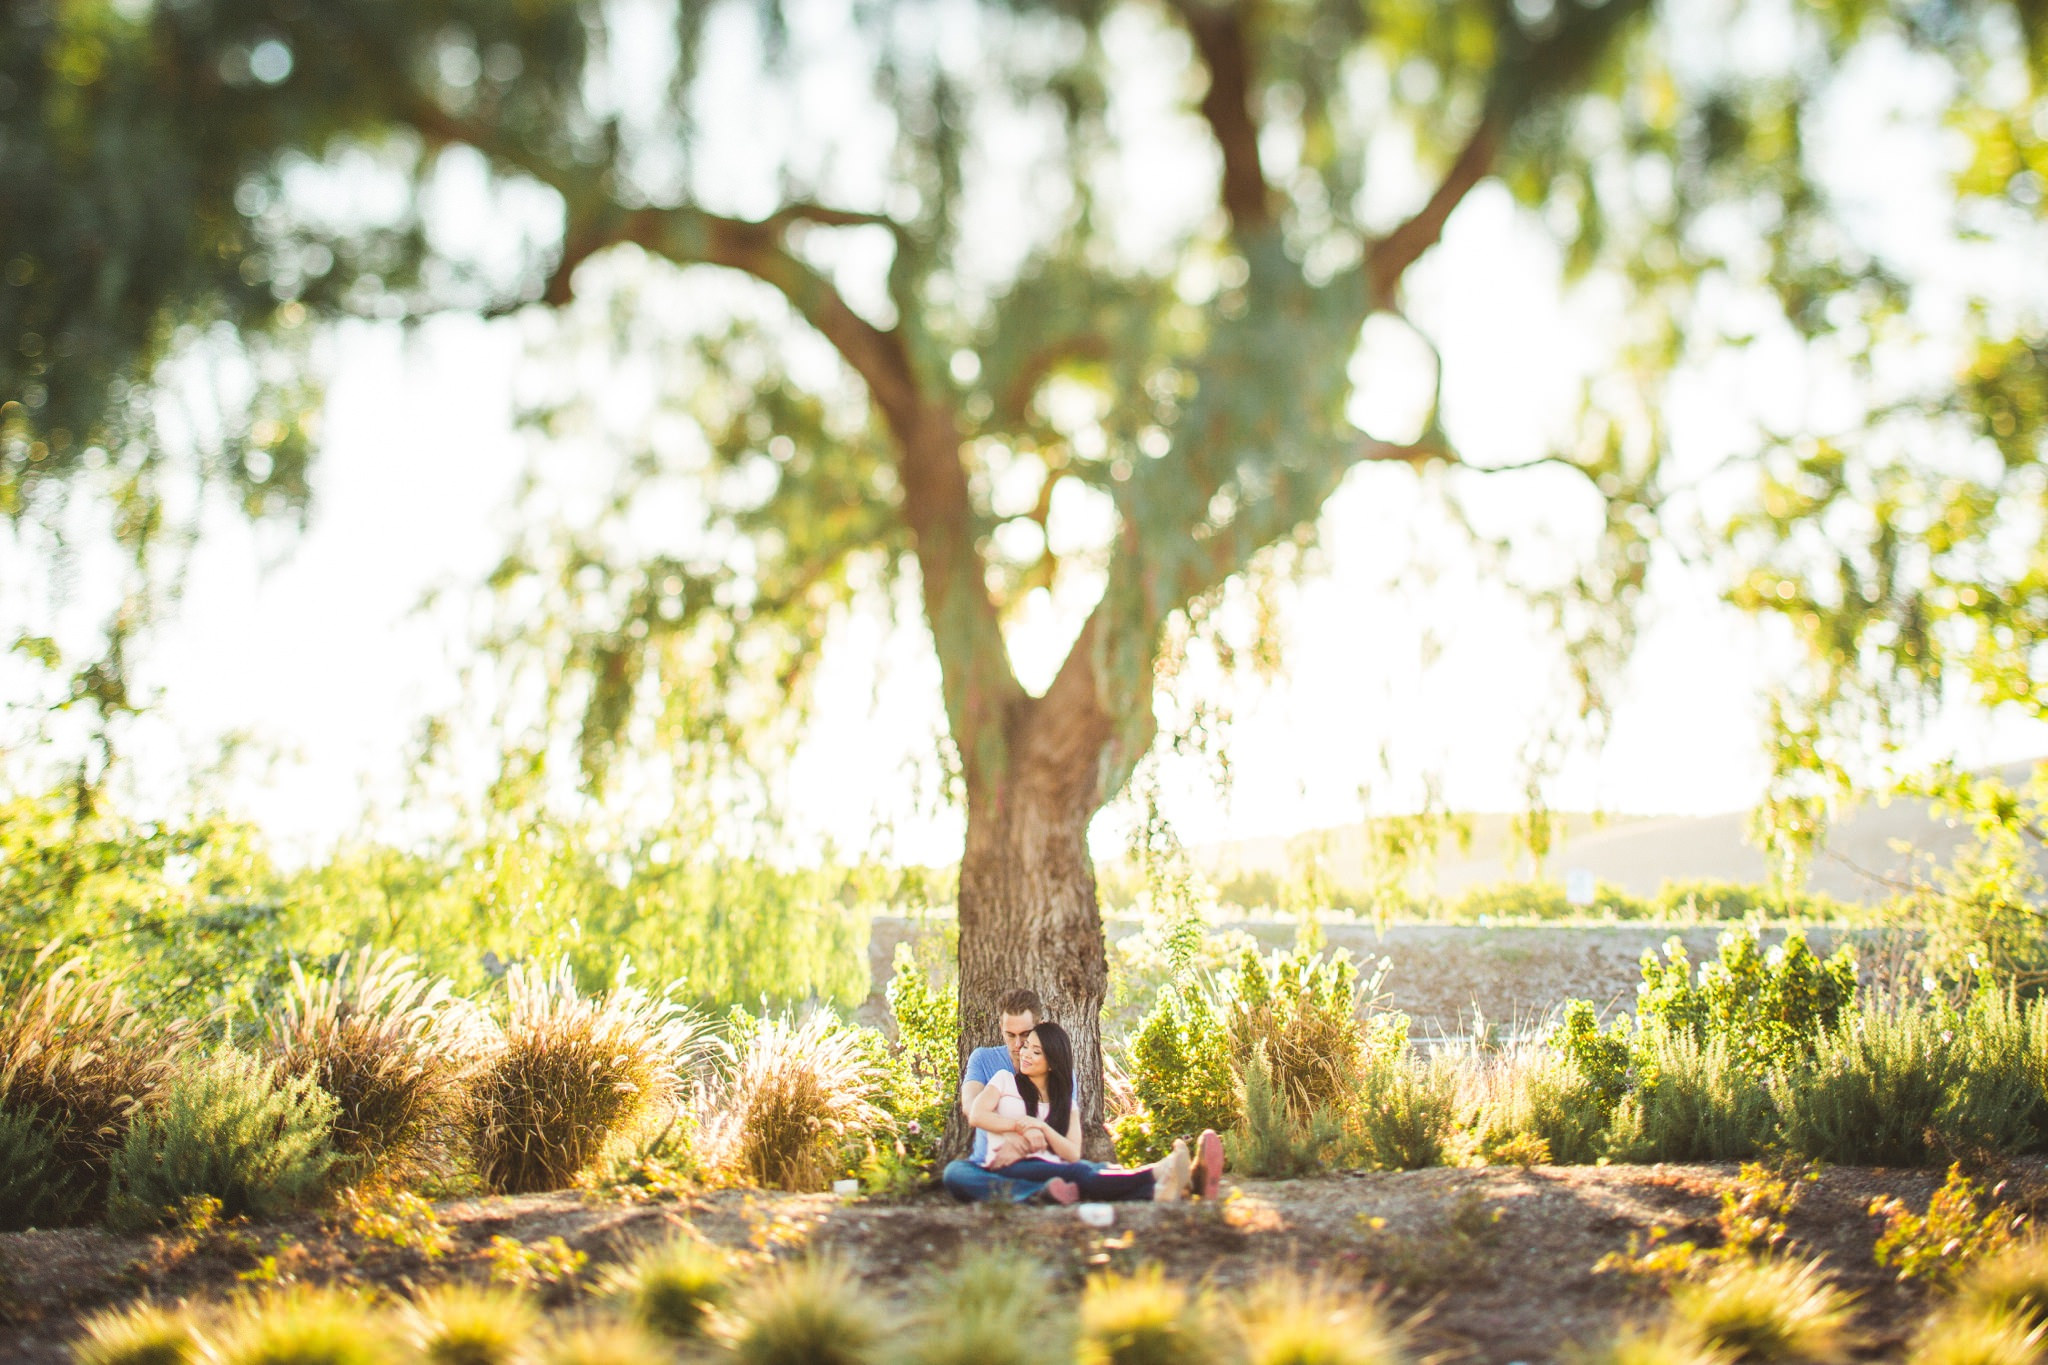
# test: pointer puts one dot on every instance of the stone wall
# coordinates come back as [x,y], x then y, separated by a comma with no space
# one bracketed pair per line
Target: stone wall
[1440,973]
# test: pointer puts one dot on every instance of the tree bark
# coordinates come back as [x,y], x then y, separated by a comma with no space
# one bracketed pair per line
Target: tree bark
[1027,906]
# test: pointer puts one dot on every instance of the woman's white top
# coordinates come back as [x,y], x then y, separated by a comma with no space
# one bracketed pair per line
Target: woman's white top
[1010,1101]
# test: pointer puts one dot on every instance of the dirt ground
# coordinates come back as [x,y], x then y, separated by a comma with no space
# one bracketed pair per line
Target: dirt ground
[1491,1265]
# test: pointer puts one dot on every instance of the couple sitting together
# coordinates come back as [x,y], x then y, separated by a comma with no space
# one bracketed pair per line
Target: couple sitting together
[1025,1109]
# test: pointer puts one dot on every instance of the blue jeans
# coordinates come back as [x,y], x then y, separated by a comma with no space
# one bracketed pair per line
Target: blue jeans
[1023,1180]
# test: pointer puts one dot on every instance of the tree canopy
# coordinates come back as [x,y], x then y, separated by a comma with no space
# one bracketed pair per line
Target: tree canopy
[1055,294]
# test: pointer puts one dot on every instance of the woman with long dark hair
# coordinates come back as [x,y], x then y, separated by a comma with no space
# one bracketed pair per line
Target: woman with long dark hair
[1040,1097]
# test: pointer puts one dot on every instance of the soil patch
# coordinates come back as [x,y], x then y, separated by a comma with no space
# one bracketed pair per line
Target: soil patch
[1490,1265]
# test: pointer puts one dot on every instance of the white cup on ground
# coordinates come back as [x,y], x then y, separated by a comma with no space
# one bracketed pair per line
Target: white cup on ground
[843,1188]
[1095,1215]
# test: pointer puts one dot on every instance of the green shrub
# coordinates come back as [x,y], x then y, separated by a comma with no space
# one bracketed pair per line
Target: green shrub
[1271,1143]
[1144,1319]
[1770,1007]
[227,1128]
[77,1056]
[461,1324]
[36,1190]
[1891,1086]
[1692,1103]
[1602,1058]
[378,1037]
[1292,1320]
[1957,1231]
[672,1288]
[570,1075]
[1767,1312]
[922,1066]
[144,1334]
[1181,1070]
[1406,1110]
[798,1099]
[808,1312]
[1300,1010]
[1513,901]
[991,1308]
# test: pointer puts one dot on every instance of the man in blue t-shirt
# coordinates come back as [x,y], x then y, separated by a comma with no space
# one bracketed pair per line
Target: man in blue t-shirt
[1019,1014]
[980,1176]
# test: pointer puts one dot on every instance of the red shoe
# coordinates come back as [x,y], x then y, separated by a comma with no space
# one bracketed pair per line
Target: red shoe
[1063,1191]
[1208,1173]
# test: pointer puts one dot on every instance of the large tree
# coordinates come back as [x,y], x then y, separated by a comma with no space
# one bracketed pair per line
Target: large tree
[960,233]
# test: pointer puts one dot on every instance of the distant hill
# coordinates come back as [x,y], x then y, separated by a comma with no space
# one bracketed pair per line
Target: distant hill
[1640,853]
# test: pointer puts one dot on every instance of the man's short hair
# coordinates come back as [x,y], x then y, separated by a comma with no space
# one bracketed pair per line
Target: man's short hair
[1022,1001]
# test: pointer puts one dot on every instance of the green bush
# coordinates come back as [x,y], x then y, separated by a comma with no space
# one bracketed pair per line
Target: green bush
[143,1334]
[1892,1086]
[1406,1110]
[1769,1006]
[1544,901]
[1270,1142]
[227,1128]
[465,1324]
[1180,1068]
[36,1189]
[303,1326]
[797,1103]
[1692,1103]
[919,1070]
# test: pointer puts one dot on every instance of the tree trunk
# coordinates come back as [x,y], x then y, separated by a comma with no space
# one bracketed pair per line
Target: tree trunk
[1028,913]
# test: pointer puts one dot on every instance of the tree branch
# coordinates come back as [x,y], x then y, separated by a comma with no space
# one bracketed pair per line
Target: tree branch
[1218,29]
[1388,259]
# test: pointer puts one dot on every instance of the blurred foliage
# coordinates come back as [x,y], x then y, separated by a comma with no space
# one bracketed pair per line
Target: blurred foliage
[202,919]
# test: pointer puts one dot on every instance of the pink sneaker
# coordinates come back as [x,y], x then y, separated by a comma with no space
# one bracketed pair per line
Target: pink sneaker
[1063,1191]
[1207,1177]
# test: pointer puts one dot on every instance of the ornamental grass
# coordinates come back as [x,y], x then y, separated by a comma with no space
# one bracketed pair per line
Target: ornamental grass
[568,1075]
[78,1057]
[388,1044]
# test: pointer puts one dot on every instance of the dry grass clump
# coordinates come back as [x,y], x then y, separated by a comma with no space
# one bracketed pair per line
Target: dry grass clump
[569,1074]
[76,1054]
[308,1327]
[808,1312]
[144,1334]
[793,1100]
[460,1324]
[386,1043]
[2013,1283]
[1974,1337]
[1289,1320]
[603,1343]
[1662,1344]
[1144,1319]
[673,1287]
[1767,1312]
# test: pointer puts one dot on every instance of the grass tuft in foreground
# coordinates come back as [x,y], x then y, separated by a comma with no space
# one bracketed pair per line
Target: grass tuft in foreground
[1144,1319]
[671,1289]
[1767,1312]
[461,1324]
[1290,1320]
[144,1334]
[808,1312]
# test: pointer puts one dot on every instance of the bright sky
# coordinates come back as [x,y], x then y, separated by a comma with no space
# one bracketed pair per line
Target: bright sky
[317,647]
